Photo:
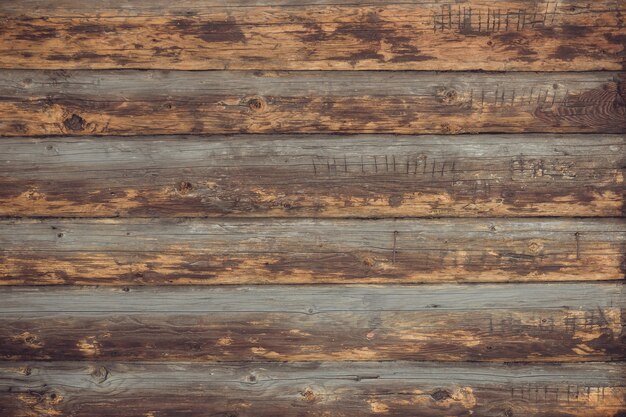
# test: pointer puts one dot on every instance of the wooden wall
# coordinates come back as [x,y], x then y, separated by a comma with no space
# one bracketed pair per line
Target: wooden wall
[324,208]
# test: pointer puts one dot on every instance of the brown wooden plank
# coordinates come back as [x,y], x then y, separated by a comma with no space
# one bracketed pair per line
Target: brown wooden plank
[324,176]
[34,103]
[517,322]
[564,35]
[160,251]
[311,389]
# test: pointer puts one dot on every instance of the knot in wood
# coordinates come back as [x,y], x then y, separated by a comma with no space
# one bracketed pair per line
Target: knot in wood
[55,398]
[308,395]
[440,395]
[535,247]
[100,374]
[257,104]
[184,187]
[507,194]
[74,123]
[446,95]
[395,200]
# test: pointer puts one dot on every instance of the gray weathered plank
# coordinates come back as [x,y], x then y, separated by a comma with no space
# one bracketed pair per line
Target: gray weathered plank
[516,322]
[323,176]
[34,103]
[310,389]
[205,251]
[308,299]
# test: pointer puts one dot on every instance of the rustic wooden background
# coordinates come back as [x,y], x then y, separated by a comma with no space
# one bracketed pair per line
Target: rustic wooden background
[312,208]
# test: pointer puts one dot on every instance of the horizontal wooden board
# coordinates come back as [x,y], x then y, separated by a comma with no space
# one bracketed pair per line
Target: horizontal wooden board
[564,35]
[311,389]
[484,322]
[323,176]
[34,103]
[203,251]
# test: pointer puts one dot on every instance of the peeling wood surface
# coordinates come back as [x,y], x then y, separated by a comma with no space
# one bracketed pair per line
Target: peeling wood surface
[321,388]
[516,322]
[564,35]
[323,176]
[34,103]
[203,251]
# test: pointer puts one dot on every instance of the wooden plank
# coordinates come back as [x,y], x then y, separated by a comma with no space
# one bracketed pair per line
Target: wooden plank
[201,251]
[484,322]
[34,103]
[564,35]
[311,389]
[323,176]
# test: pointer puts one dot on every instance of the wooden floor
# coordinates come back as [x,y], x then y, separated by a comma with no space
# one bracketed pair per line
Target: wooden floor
[255,208]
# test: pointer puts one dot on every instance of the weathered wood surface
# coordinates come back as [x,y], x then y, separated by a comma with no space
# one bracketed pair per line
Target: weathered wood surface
[563,35]
[204,251]
[34,103]
[518,322]
[311,389]
[323,176]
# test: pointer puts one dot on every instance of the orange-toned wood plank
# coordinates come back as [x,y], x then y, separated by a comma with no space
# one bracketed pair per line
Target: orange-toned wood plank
[546,35]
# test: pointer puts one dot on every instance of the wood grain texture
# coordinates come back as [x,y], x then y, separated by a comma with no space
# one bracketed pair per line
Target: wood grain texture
[564,35]
[160,251]
[517,322]
[34,103]
[322,176]
[322,388]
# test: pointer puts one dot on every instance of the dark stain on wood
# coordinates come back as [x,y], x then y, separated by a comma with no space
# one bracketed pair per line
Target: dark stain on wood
[220,32]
